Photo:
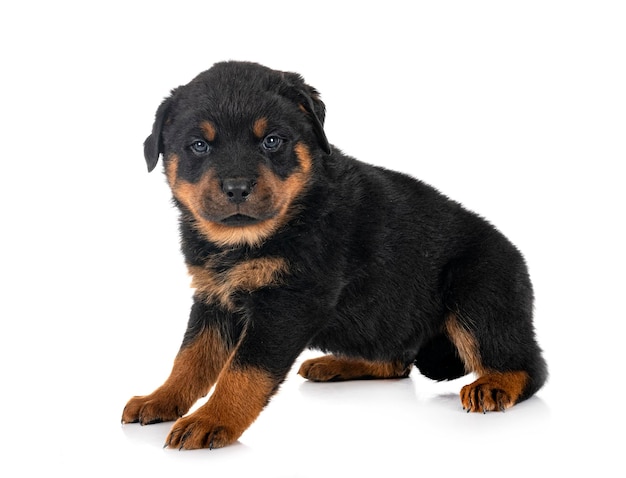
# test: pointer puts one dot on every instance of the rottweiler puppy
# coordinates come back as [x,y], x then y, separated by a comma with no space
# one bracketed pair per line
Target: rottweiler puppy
[292,244]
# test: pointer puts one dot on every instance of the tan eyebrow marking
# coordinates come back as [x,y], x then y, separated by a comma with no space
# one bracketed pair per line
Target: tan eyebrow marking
[260,127]
[208,129]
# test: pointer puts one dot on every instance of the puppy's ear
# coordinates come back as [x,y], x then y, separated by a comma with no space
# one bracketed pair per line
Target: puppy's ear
[153,145]
[317,111]
[308,98]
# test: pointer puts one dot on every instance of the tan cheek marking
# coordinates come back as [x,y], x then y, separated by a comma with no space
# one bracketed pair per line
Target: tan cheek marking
[295,184]
[171,170]
[304,156]
[190,194]
[260,127]
[182,190]
[186,193]
[208,129]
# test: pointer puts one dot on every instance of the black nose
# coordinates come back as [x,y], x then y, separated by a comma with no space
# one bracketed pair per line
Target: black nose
[237,190]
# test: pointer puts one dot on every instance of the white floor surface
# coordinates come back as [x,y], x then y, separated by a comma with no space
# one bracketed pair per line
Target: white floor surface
[515,109]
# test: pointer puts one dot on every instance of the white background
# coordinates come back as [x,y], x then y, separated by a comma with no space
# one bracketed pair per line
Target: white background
[516,109]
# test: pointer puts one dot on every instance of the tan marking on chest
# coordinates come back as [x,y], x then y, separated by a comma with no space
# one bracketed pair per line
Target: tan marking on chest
[246,276]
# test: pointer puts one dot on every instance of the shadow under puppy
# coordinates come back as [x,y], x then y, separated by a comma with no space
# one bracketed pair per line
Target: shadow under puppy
[292,244]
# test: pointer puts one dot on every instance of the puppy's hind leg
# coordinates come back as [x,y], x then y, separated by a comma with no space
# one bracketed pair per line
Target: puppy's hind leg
[331,368]
[497,387]
[490,298]
[438,359]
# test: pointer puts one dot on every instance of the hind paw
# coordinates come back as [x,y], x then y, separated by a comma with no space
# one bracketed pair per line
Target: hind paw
[495,391]
[330,369]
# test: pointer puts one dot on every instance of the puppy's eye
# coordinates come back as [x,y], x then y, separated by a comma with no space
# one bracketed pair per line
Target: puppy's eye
[272,142]
[199,147]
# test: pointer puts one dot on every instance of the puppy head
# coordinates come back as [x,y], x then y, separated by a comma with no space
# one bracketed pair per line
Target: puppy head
[238,143]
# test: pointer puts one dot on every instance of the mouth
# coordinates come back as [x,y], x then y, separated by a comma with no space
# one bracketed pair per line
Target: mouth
[239,220]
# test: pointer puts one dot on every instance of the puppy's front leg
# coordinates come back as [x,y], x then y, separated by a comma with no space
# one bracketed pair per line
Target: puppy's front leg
[202,356]
[268,348]
[240,395]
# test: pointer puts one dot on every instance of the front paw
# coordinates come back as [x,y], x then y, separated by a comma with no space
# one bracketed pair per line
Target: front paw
[201,431]
[154,408]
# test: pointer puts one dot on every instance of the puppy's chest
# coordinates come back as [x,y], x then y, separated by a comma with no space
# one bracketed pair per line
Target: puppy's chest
[218,281]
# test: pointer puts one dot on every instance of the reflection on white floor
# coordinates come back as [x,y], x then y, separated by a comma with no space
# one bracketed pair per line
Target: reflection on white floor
[371,428]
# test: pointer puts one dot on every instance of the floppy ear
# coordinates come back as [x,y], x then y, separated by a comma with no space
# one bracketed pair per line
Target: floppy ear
[309,100]
[153,145]
[317,111]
